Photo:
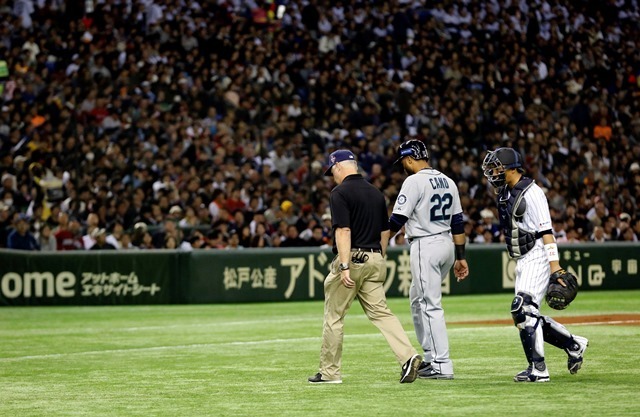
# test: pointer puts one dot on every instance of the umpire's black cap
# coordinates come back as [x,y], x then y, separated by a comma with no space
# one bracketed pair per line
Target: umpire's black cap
[338,156]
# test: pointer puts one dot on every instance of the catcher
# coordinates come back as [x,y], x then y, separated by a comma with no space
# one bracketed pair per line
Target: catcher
[526,224]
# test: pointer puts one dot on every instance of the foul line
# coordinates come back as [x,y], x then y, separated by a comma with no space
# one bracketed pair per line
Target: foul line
[275,319]
[213,345]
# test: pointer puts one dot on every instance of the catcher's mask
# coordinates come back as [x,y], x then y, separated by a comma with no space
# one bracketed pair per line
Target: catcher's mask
[414,148]
[497,162]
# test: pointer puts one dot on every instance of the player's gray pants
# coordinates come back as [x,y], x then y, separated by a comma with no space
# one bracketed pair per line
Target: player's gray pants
[431,259]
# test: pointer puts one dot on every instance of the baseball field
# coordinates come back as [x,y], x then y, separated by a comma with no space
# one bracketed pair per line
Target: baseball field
[254,360]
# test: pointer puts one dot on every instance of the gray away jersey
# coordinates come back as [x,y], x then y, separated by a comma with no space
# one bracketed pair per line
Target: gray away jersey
[429,199]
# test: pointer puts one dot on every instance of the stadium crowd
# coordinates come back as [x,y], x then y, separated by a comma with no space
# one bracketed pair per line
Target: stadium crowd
[186,124]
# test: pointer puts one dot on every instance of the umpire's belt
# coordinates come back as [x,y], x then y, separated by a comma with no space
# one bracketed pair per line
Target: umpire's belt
[366,250]
[444,233]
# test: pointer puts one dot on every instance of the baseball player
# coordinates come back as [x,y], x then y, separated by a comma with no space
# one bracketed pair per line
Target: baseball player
[429,208]
[526,224]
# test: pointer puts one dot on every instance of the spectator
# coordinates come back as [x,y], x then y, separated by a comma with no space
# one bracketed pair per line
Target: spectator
[115,237]
[487,220]
[93,221]
[234,241]
[100,237]
[598,212]
[146,241]
[292,239]
[161,121]
[169,228]
[125,242]
[598,235]
[558,229]
[624,224]
[47,240]
[245,236]
[176,213]
[327,228]
[629,236]
[216,240]
[5,224]
[217,203]
[287,213]
[261,238]
[21,238]
[190,219]
[316,239]
[140,230]
[602,130]
[170,242]
[572,236]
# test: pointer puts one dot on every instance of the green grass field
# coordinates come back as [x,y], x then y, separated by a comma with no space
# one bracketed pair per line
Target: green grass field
[254,360]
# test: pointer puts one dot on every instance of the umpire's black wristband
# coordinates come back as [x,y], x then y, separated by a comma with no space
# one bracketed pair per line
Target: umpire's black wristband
[459,252]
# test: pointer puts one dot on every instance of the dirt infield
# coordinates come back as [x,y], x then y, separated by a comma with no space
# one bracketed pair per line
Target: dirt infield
[610,319]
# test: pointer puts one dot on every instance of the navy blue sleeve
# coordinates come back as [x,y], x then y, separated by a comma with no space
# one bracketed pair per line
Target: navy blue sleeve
[457,224]
[396,221]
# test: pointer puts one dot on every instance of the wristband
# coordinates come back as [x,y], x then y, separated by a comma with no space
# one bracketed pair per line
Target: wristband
[460,252]
[552,252]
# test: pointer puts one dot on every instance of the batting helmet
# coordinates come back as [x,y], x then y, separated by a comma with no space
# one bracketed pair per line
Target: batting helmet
[496,162]
[414,148]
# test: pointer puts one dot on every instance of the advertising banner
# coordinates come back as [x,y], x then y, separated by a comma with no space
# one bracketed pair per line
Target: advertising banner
[256,275]
[88,278]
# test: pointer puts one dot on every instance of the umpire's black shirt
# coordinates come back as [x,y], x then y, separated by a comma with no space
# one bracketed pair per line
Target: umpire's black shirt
[361,207]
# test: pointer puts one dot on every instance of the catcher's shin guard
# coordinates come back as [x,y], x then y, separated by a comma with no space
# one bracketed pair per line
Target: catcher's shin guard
[527,319]
[555,333]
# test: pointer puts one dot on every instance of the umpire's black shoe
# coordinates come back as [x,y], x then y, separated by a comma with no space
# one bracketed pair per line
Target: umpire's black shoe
[317,379]
[409,371]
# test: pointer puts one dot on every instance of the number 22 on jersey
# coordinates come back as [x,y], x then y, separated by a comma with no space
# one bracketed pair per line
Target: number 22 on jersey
[440,207]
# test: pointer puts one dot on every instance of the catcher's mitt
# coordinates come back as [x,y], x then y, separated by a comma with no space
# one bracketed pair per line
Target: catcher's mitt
[559,296]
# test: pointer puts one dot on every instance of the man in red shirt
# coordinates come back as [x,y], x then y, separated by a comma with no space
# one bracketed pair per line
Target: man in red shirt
[66,233]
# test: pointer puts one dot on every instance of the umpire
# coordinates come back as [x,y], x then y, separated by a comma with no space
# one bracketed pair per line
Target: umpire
[359,217]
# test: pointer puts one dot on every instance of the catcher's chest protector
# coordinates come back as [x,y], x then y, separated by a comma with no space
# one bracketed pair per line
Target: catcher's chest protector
[511,207]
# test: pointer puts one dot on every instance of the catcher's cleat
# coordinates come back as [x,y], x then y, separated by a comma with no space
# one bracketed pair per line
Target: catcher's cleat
[576,354]
[409,371]
[522,376]
[533,375]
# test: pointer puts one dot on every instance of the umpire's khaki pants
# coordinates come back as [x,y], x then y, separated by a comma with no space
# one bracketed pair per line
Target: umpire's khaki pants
[369,278]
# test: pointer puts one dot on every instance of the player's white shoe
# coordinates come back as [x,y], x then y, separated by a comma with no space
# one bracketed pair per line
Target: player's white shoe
[531,374]
[576,354]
